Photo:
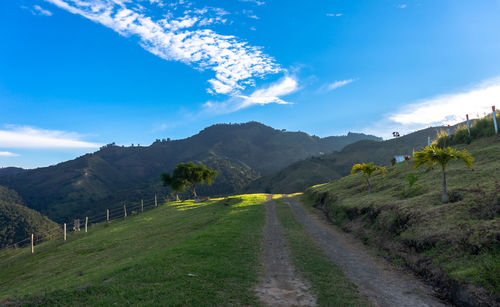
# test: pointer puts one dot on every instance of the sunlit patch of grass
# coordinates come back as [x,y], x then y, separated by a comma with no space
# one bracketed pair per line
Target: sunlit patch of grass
[147,259]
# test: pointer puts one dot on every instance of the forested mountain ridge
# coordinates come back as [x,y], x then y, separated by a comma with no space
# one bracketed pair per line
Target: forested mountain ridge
[18,222]
[116,174]
[324,168]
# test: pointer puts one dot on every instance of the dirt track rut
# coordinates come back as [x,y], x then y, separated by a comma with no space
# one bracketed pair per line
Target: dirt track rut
[381,283]
[281,285]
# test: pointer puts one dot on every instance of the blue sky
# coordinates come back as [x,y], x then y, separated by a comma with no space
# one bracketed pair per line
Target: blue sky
[76,74]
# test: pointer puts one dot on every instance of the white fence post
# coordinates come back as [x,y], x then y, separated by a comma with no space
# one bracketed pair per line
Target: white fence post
[468,124]
[107,215]
[142,205]
[495,119]
[125,211]
[428,140]
[64,232]
[32,246]
[86,222]
[156,202]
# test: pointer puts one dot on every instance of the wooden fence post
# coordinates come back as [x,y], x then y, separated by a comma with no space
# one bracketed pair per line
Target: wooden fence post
[64,232]
[32,247]
[107,215]
[142,205]
[125,211]
[156,202]
[86,222]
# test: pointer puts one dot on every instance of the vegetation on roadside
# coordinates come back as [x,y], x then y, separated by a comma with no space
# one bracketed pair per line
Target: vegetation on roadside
[367,170]
[453,245]
[433,155]
[182,253]
[328,282]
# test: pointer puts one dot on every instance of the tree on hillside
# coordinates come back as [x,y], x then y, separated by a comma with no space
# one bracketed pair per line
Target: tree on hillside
[189,175]
[367,170]
[434,155]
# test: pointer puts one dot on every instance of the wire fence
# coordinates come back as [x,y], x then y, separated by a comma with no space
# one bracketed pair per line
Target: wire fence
[65,232]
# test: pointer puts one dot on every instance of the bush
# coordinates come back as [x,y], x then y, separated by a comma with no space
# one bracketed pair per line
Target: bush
[482,127]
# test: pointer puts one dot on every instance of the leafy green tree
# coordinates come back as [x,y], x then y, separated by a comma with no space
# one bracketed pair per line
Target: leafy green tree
[188,175]
[433,155]
[367,170]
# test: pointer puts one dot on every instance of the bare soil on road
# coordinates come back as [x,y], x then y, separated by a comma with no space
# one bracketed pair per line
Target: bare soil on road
[378,281]
[281,285]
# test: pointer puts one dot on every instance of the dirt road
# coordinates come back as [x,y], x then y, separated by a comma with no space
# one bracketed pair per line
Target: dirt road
[381,283]
[281,285]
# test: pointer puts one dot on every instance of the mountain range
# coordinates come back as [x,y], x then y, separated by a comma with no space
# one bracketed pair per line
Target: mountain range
[115,174]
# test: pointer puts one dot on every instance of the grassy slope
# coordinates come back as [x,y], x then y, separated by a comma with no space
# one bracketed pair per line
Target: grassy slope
[146,259]
[460,238]
[327,280]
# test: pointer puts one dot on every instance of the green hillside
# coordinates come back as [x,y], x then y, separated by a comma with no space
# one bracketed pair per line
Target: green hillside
[328,167]
[18,222]
[181,253]
[89,184]
[455,245]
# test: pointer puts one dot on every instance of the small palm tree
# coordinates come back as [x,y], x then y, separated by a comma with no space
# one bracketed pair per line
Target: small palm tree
[434,155]
[368,170]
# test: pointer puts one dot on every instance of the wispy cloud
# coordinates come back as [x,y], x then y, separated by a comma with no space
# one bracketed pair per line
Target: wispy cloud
[263,96]
[334,85]
[402,6]
[442,110]
[37,10]
[30,137]
[185,38]
[257,2]
[334,14]
[250,14]
[8,154]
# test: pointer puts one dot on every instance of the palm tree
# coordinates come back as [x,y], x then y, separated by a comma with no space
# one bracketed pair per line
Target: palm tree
[368,170]
[434,155]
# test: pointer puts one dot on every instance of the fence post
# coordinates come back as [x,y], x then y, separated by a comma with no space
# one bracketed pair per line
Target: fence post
[156,202]
[32,247]
[468,124]
[107,215]
[495,119]
[142,205]
[125,210]
[428,140]
[64,232]
[448,131]
[86,222]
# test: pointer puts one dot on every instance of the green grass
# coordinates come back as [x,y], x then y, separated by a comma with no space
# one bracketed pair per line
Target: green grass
[459,238]
[328,282]
[145,259]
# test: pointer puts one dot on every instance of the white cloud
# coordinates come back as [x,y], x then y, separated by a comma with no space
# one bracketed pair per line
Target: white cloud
[334,14]
[257,2]
[250,14]
[448,109]
[8,154]
[270,94]
[38,10]
[335,85]
[180,38]
[402,6]
[29,137]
